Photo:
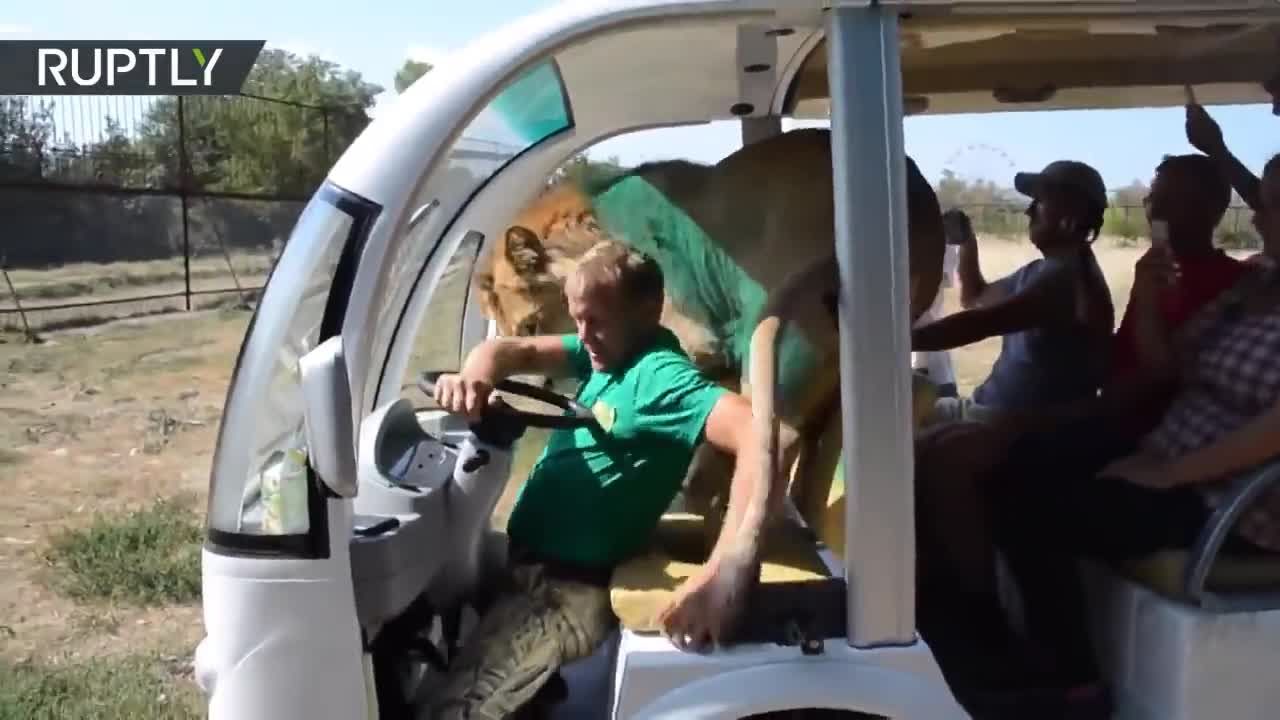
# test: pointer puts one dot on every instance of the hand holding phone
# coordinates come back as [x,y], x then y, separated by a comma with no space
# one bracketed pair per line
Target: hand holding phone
[1154,273]
[1161,249]
[957,227]
[1160,235]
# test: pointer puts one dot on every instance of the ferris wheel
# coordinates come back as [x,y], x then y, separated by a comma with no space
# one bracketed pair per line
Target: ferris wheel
[980,161]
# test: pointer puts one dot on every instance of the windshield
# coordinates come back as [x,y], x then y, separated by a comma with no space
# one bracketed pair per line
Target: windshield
[432,268]
[530,109]
[260,483]
[260,480]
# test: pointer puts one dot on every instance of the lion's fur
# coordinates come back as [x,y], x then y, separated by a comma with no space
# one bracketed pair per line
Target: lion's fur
[769,206]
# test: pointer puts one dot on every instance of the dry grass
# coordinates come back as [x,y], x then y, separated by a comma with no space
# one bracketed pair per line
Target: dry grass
[140,686]
[99,422]
[91,281]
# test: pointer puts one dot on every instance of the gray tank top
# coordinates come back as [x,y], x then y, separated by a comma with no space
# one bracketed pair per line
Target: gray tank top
[1044,366]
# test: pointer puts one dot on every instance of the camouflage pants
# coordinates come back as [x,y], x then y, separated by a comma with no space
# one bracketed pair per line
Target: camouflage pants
[535,625]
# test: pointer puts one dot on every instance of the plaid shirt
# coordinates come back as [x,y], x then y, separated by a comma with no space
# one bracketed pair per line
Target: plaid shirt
[1231,376]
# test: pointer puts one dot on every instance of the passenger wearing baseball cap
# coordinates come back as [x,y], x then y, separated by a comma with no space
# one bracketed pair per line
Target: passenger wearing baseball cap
[1054,314]
[1066,174]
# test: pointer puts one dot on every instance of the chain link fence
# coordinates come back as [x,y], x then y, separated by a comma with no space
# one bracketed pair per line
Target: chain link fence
[120,207]
[1125,225]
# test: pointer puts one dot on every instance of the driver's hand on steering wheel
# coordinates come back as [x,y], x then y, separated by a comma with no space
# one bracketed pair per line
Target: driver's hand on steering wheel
[463,395]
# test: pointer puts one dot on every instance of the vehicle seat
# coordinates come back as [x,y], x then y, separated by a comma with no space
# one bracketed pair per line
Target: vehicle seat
[1165,572]
[1208,574]
[1181,634]
[643,586]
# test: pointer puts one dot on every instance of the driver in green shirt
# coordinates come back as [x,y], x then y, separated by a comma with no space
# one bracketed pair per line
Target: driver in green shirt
[594,497]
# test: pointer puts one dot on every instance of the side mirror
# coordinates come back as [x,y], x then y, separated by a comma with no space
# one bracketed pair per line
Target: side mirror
[326,393]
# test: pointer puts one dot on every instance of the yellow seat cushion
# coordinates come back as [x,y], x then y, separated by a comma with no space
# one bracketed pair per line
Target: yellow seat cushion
[643,586]
[1164,571]
[924,395]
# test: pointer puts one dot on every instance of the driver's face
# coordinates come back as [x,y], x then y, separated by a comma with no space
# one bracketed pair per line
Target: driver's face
[603,322]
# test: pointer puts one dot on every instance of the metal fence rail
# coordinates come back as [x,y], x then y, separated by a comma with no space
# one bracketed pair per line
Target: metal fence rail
[1124,223]
[125,203]
[134,250]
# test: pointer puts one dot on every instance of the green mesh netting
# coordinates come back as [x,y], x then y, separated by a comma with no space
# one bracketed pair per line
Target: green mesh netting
[701,278]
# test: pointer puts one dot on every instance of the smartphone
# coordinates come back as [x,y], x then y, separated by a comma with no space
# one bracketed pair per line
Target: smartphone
[956,227]
[1160,234]
[1160,241]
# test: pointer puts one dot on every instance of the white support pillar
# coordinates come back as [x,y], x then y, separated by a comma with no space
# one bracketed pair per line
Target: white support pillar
[871,251]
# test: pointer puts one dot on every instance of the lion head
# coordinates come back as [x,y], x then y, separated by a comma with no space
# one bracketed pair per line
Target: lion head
[521,286]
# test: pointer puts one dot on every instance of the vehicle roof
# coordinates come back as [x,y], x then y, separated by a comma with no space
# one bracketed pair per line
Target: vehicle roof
[663,62]
[628,65]
[980,56]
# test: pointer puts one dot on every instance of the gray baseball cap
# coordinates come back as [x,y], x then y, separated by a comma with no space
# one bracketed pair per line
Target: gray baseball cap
[1064,173]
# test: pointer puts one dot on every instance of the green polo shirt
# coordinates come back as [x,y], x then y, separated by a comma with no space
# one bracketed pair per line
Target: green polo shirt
[596,494]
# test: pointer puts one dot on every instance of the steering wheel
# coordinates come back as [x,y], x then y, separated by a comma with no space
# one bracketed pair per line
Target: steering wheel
[576,415]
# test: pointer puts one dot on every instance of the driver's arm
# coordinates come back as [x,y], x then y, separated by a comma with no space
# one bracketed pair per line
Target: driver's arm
[756,497]
[496,359]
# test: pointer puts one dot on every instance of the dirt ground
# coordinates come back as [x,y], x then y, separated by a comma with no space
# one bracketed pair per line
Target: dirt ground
[107,419]
[99,421]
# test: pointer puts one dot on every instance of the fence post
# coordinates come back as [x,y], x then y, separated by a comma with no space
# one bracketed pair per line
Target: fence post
[26,326]
[328,154]
[183,193]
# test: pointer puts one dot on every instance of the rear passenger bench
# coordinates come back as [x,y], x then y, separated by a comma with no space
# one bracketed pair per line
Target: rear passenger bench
[1186,634]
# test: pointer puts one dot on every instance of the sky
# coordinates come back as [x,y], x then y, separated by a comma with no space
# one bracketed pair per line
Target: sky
[375,38]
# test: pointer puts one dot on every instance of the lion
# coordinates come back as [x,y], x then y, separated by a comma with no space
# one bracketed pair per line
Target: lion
[751,235]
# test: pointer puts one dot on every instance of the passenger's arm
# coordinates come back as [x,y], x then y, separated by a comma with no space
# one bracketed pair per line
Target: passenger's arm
[1246,184]
[1203,133]
[1241,450]
[1045,301]
[975,291]
[1154,341]
[1245,448]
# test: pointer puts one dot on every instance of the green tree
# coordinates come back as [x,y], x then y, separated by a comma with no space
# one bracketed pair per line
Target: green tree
[241,144]
[409,72]
[1125,219]
[994,210]
[281,146]
[26,138]
[1130,195]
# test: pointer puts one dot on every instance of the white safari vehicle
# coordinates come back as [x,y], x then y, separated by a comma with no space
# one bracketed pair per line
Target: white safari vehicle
[347,524]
